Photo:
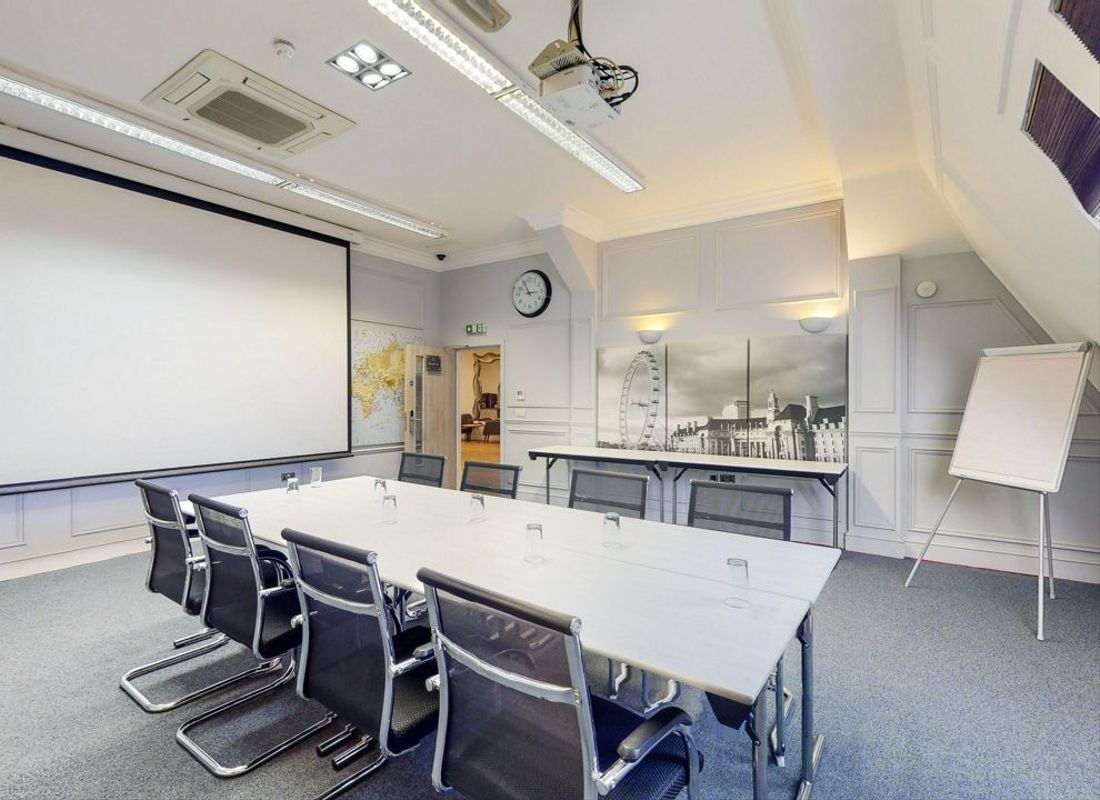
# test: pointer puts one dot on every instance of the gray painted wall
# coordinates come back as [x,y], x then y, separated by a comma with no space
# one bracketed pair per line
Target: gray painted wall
[911,363]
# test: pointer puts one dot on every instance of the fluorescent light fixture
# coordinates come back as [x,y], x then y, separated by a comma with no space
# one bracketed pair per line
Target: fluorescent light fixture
[528,109]
[84,113]
[78,111]
[412,18]
[316,193]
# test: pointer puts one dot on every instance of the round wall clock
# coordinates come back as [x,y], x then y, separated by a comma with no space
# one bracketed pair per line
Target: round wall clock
[531,293]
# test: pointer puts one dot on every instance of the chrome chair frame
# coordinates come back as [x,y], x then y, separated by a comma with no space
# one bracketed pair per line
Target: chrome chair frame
[784,699]
[597,782]
[193,564]
[183,736]
[393,666]
[466,486]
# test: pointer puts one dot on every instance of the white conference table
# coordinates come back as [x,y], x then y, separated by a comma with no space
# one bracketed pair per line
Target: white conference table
[657,603]
[657,462]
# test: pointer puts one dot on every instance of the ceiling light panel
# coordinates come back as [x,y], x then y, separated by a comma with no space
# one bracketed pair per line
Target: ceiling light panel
[390,218]
[416,21]
[368,65]
[412,18]
[82,112]
[70,108]
[528,109]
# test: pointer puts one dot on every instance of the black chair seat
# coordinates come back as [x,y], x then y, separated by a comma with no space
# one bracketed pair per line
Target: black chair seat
[277,635]
[415,709]
[661,774]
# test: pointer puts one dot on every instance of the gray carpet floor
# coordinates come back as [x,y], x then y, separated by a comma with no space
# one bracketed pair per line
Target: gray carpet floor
[940,691]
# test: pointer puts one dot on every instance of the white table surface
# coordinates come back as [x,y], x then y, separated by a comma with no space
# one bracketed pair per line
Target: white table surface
[777,466]
[656,604]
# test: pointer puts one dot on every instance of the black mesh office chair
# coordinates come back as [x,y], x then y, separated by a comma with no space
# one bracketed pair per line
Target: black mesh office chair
[622,493]
[736,508]
[488,478]
[177,572]
[601,490]
[518,721]
[352,661]
[763,511]
[251,598]
[422,468]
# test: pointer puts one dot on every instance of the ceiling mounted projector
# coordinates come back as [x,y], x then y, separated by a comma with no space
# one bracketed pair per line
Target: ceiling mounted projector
[488,15]
[580,89]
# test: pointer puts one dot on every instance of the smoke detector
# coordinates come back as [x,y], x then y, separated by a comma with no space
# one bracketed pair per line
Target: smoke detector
[219,99]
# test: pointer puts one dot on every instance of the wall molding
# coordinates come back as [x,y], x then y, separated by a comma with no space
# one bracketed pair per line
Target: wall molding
[754,223]
[892,524]
[521,248]
[693,237]
[856,336]
[389,276]
[397,252]
[20,539]
[922,308]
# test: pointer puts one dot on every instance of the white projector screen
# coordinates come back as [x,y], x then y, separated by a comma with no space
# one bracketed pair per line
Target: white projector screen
[145,333]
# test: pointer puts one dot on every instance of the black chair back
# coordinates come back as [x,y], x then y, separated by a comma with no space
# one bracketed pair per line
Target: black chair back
[762,511]
[422,468]
[233,578]
[515,715]
[489,478]
[600,490]
[170,571]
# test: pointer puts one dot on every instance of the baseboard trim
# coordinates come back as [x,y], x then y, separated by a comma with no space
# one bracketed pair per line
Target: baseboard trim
[70,558]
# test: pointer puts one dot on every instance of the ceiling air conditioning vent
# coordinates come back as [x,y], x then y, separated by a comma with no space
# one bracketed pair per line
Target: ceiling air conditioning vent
[234,104]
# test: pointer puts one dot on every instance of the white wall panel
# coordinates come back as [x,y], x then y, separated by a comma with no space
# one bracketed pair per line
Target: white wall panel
[874,350]
[11,521]
[874,495]
[388,299]
[536,362]
[945,341]
[655,275]
[779,259]
[103,508]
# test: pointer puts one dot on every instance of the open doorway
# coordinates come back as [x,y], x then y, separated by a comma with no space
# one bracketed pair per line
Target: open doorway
[479,397]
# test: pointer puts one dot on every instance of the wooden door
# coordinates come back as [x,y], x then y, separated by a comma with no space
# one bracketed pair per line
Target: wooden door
[430,425]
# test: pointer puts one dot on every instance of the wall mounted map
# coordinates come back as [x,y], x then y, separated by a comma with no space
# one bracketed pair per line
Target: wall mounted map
[377,382]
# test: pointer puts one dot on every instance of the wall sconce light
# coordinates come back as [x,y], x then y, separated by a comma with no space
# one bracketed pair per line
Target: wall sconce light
[650,337]
[815,324]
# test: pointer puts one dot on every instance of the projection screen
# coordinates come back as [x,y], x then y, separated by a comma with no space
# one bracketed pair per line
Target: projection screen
[143,332]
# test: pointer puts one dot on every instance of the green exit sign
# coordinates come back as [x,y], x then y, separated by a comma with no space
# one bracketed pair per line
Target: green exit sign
[474,328]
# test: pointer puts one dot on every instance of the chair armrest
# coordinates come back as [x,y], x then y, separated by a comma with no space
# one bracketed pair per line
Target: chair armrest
[432,684]
[421,656]
[278,591]
[649,734]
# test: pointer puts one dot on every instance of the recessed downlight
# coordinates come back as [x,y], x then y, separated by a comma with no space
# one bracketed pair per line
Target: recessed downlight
[347,64]
[365,53]
[368,65]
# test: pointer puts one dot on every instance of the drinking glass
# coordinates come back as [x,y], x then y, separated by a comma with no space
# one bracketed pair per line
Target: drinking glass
[379,486]
[739,583]
[389,509]
[292,485]
[315,477]
[533,550]
[612,531]
[477,508]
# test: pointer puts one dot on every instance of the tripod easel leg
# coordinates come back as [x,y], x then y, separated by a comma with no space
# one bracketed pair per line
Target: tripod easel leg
[1050,546]
[935,530]
[1042,544]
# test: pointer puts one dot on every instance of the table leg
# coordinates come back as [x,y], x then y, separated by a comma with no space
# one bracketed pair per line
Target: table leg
[812,744]
[656,470]
[758,733]
[549,463]
[836,516]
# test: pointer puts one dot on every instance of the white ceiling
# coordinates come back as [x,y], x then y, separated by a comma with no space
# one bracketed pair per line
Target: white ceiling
[716,124]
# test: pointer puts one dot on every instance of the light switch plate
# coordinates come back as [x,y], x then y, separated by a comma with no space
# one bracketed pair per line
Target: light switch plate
[521,394]
[521,412]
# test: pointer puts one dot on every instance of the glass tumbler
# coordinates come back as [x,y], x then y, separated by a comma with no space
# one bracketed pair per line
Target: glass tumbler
[739,583]
[477,508]
[389,509]
[315,474]
[533,545]
[612,531]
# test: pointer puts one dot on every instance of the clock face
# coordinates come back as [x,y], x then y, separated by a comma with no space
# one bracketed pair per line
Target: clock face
[531,293]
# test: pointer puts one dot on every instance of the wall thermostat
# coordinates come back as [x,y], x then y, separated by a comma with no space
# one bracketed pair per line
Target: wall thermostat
[926,289]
